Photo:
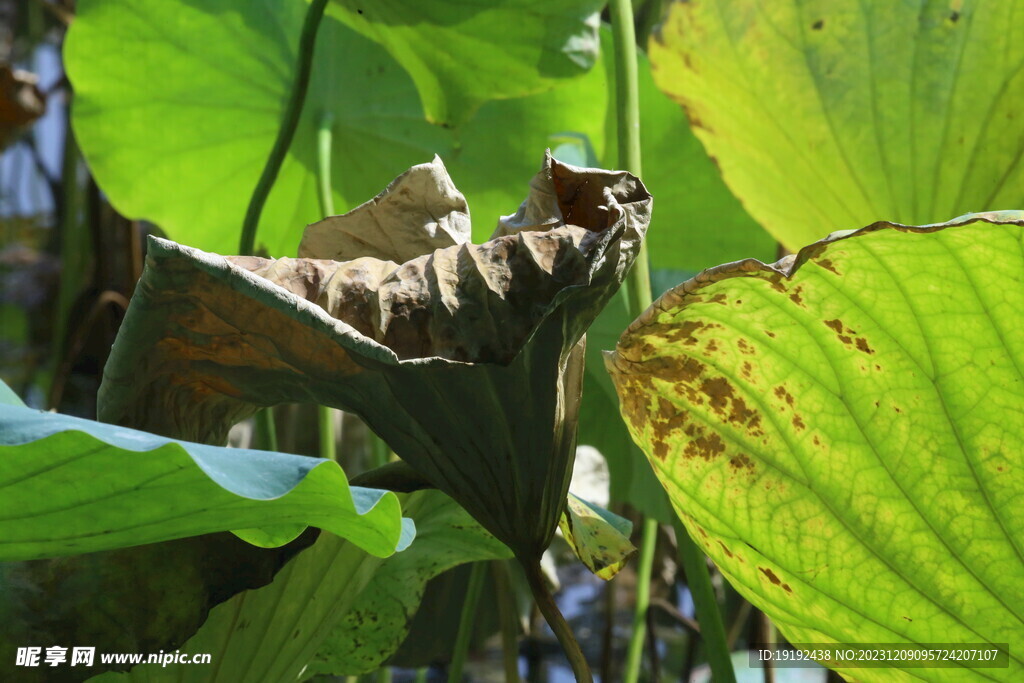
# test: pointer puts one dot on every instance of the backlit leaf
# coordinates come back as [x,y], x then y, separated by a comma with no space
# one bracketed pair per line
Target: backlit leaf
[842,432]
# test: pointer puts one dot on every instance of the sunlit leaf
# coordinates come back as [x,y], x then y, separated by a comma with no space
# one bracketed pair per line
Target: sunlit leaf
[697,221]
[76,486]
[461,54]
[841,432]
[178,121]
[831,114]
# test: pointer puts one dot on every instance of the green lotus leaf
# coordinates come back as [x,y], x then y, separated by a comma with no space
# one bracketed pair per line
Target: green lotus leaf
[598,537]
[331,599]
[462,54]
[213,77]
[142,599]
[841,432]
[831,114]
[144,488]
[690,191]
[466,360]
[375,626]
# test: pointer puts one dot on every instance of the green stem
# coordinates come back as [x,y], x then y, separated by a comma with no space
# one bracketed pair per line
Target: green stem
[286,132]
[635,651]
[421,675]
[549,608]
[466,620]
[266,430]
[507,615]
[324,414]
[712,630]
[627,108]
[384,674]
[324,140]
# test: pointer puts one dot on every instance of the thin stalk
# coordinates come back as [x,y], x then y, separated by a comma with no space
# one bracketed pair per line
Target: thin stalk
[384,674]
[712,629]
[292,113]
[324,139]
[421,674]
[266,430]
[466,620]
[549,608]
[635,650]
[627,109]
[507,615]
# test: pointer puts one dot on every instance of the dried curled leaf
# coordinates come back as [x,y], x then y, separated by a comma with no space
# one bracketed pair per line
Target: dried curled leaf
[21,102]
[421,208]
[466,360]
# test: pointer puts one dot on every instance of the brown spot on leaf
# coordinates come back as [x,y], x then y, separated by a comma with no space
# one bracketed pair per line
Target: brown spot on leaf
[719,298]
[862,345]
[741,461]
[770,333]
[781,392]
[827,265]
[712,346]
[775,579]
[798,423]
[836,325]
[725,549]
[744,347]
[775,279]
[818,25]
[795,297]
[704,446]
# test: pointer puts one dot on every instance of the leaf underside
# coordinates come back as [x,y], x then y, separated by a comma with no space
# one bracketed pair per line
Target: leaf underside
[842,432]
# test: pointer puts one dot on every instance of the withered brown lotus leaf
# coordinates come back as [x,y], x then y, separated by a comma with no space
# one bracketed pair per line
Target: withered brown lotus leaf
[21,102]
[466,360]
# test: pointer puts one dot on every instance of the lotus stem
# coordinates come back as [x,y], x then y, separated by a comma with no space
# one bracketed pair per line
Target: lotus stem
[712,630]
[627,108]
[266,430]
[627,103]
[549,608]
[324,140]
[293,111]
[635,651]
[508,619]
[466,620]
[290,122]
